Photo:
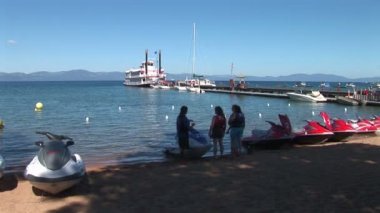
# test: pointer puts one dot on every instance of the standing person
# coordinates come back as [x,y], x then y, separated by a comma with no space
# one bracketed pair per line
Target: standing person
[217,129]
[183,127]
[236,122]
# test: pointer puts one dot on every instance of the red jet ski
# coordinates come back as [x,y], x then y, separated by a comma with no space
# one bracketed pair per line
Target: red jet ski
[312,133]
[376,122]
[273,138]
[341,129]
[376,119]
[363,126]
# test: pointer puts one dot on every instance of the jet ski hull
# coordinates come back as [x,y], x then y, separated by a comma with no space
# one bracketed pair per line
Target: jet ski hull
[55,181]
[2,166]
[341,136]
[363,127]
[250,143]
[366,131]
[311,139]
[274,138]
[55,187]
[198,146]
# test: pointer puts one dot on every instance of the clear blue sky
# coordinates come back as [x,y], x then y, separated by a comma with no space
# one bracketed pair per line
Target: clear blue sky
[261,37]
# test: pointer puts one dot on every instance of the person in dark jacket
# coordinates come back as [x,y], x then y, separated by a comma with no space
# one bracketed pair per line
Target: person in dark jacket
[183,127]
[237,124]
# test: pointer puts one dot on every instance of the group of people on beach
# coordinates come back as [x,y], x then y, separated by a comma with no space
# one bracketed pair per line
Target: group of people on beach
[217,130]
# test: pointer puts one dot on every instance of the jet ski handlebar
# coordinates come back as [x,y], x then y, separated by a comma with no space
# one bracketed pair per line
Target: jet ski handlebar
[52,136]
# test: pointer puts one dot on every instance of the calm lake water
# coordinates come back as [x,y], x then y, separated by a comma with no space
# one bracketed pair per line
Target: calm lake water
[129,125]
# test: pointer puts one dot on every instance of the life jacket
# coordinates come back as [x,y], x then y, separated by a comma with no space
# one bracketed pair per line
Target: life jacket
[219,127]
[219,122]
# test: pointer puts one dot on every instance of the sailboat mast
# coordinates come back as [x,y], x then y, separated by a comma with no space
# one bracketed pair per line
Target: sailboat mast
[193,67]
[159,63]
[146,64]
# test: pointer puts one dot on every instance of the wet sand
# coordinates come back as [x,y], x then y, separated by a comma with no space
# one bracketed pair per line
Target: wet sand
[336,177]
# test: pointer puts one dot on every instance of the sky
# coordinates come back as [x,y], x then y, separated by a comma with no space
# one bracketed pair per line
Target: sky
[260,37]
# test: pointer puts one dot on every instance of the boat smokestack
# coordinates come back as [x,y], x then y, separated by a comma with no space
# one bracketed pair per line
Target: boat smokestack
[159,61]
[146,62]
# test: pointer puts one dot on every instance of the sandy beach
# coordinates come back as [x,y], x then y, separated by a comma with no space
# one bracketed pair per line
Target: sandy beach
[335,177]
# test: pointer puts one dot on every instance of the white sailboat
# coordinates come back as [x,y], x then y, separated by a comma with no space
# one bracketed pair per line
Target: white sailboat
[180,86]
[193,87]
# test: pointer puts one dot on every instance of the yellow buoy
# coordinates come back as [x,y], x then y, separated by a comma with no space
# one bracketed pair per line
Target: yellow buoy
[1,124]
[39,107]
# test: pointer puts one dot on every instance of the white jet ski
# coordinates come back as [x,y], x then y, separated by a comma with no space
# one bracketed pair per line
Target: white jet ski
[2,166]
[198,146]
[54,168]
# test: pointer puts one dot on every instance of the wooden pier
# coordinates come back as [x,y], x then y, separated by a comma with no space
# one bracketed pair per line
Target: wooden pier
[239,92]
[347,101]
[339,97]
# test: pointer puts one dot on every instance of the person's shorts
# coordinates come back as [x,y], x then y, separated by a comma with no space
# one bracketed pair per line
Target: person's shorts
[183,143]
[236,134]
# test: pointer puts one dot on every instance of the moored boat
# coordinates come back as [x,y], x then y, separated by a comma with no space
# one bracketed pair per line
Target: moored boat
[200,81]
[325,85]
[146,75]
[197,81]
[314,96]
[301,84]
[180,86]
[352,85]
[195,89]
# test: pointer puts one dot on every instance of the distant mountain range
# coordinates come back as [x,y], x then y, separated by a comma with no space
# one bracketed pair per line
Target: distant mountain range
[72,75]
[84,75]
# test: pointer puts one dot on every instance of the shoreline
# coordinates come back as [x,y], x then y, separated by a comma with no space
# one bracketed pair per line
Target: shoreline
[333,177]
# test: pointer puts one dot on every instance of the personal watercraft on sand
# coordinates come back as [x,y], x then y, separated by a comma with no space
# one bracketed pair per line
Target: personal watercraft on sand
[341,129]
[272,138]
[2,166]
[312,133]
[375,119]
[54,168]
[363,126]
[376,122]
[198,146]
